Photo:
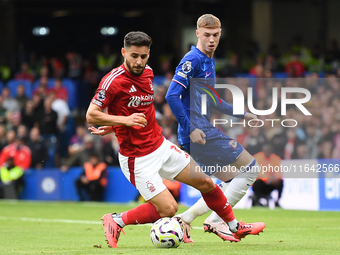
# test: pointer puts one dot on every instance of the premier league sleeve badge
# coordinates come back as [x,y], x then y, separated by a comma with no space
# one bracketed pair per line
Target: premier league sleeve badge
[101,95]
[186,67]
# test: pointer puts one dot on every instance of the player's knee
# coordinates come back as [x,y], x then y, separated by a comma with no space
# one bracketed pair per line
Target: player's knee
[205,185]
[169,210]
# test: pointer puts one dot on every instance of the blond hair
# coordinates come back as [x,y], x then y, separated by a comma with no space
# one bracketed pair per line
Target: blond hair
[208,21]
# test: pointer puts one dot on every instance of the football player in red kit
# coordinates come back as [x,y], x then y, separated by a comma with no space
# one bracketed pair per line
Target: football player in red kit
[145,156]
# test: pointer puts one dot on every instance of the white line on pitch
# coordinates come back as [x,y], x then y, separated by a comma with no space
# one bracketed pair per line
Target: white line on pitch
[141,225]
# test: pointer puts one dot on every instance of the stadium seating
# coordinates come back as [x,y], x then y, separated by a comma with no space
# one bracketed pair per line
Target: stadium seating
[70,86]
[158,79]
[13,84]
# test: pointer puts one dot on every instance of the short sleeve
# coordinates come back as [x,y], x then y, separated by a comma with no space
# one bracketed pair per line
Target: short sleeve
[104,95]
[184,71]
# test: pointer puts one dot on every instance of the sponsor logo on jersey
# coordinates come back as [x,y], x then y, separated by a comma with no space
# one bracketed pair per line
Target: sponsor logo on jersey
[150,186]
[135,101]
[207,74]
[186,67]
[233,144]
[182,74]
[132,89]
[95,101]
[101,95]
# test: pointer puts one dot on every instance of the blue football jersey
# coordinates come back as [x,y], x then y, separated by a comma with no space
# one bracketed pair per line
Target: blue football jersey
[193,76]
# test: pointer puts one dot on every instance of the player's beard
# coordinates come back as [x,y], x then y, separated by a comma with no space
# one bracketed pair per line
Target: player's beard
[131,70]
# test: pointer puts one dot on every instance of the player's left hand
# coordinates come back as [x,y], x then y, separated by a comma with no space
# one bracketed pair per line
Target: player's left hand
[254,120]
[103,130]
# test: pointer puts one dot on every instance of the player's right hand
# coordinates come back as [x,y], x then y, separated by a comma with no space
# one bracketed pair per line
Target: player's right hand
[103,130]
[197,136]
[136,119]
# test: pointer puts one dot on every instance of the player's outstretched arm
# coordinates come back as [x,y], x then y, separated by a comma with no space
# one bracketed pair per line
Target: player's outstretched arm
[225,108]
[95,116]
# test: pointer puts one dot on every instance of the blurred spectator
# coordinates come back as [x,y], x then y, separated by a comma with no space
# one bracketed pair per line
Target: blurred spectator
[57,67]
[313,137]
[38,149]
[77,140]
[62,109]
[106,60]
[44,72]
[290,149]
[160,98]
[257,70]
[110,151]
[34,63]
[25,73]
[19,152]
[81,156]
[3,140]
[315,63]
[3,119]
[14,120]
[28,117]
[254,141]
[47,119]
[42,89]
[22,132]
[10,137]
[11,174]
[38,104]
[5,73]
[268,180]
[301,152]
[93,179]
[74,65]
[271,64]
[59,90]
[279,141]
[47,123]
[232,68]
[300,50]
[21,96]
[91,78]
[169,135]
[295,68]
[9,103]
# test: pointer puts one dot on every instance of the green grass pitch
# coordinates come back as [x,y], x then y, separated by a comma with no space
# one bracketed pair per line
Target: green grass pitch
[74,228]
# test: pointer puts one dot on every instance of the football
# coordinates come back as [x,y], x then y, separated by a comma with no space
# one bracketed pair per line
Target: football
[166,233]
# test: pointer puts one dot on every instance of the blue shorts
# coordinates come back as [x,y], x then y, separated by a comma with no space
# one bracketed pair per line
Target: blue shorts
[218,151]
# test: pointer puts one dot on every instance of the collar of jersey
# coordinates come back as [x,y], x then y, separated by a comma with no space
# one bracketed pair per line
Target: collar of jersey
[201,54]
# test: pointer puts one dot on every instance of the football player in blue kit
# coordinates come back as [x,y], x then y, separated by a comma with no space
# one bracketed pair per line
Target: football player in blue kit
[194,76]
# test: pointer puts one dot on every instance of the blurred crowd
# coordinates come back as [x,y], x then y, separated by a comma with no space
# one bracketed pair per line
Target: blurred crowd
[40,128]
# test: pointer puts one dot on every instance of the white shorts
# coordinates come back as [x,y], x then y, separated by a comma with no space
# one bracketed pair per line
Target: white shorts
[146,173]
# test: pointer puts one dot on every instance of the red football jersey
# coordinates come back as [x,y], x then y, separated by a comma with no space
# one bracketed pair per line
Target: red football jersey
[124,94]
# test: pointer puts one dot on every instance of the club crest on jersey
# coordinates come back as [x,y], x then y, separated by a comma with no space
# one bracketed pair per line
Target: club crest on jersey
[186,67]
[233,144]
[101,95]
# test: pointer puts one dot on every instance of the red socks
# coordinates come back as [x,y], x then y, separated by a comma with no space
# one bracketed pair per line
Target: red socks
[217,202]
[145,213]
